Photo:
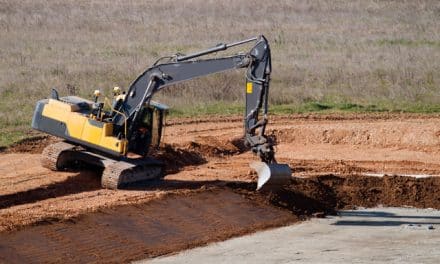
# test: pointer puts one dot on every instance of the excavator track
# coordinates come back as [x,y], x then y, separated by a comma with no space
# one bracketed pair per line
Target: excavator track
[55,156]
[123,173]
[116,174]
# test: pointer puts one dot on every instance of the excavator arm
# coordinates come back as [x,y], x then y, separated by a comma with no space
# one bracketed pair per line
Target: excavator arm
[181,68]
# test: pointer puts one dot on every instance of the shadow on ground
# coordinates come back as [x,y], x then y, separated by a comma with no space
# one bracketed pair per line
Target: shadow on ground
[82,182]
[379,218]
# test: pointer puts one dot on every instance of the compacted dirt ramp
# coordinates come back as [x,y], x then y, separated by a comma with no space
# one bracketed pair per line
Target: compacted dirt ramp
[338,162]
[159,227]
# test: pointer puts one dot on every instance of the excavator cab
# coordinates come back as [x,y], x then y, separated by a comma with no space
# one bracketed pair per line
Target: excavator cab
[149,129]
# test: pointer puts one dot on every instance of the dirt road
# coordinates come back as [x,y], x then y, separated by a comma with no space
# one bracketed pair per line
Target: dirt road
[330,155]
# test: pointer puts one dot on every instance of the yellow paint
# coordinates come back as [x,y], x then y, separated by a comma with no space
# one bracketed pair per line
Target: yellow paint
[75,125]
[57,110]
[80,128]
[249,87]
[91,133]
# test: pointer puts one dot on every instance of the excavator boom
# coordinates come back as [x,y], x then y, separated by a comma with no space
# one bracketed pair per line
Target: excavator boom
[182,68]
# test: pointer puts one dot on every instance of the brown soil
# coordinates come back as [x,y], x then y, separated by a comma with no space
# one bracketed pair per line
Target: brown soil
[208,194]
[165,225]
[174,222]
[327,193]
[33,144]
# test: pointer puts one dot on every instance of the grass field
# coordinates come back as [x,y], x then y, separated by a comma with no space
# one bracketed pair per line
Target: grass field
[327,55]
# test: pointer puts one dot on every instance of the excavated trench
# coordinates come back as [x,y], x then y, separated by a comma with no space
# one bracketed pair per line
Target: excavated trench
[325,194]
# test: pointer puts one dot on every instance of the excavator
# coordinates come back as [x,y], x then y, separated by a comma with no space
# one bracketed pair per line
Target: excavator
[118,135]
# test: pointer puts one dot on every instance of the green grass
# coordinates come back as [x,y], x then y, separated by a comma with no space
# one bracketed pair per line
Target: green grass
[307,107]
[7,138]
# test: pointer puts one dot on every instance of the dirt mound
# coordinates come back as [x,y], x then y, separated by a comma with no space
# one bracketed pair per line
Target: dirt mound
[177,156]
[340,166]
[412,131]
[34,144]
[214,147]
[312,167]
[327,193]
[347,192]
[383,135]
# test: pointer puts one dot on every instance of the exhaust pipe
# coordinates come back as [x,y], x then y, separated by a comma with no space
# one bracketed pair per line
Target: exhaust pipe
[271,177]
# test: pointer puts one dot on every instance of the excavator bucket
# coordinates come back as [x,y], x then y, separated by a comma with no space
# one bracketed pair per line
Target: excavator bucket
[271,177]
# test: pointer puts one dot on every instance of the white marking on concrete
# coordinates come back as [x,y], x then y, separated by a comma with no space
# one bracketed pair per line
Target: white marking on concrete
[418,176]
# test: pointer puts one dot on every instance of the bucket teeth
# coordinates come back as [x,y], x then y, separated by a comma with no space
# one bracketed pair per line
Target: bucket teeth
[271,177]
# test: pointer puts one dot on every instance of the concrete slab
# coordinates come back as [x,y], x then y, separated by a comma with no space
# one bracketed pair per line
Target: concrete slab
[378,235]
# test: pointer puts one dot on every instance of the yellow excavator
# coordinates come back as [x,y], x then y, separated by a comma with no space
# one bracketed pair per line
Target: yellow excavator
[118,137]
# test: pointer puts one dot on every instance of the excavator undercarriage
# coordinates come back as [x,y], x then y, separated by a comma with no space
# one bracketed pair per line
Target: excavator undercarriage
[116,174]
